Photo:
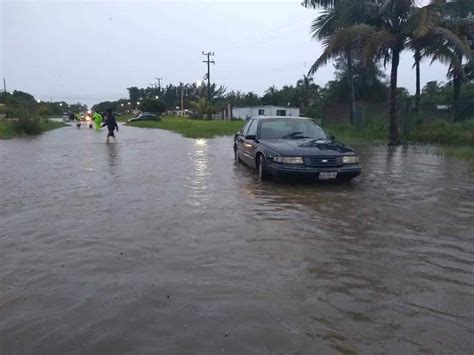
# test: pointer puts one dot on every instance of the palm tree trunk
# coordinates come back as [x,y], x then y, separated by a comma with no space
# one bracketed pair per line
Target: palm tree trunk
[394,137]
[418,84]
[457,81]
[351,84]
[457,92]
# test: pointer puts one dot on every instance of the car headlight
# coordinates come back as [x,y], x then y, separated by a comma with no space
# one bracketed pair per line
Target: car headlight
[350,159]
[288,160]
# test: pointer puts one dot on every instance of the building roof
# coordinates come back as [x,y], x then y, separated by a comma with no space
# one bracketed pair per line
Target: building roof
[276,106]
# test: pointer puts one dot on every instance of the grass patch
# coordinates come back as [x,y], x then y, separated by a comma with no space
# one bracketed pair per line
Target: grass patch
[26,127]
[367,134]
[442,132]
[6,129]
[449,139]
[193,128]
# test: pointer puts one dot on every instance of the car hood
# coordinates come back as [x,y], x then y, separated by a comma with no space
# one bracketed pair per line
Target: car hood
[305,147]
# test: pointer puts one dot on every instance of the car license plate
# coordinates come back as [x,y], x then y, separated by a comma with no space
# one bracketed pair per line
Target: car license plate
[327,175]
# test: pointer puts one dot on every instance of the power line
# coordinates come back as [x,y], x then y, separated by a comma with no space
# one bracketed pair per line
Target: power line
[208,61]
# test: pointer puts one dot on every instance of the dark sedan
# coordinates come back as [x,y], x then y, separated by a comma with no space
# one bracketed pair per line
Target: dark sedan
[293,146]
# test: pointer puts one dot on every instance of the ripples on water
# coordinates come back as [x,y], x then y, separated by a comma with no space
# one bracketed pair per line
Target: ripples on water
[164,244]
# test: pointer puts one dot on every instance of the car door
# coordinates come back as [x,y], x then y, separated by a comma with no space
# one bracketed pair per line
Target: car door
[250,145]
[240,139]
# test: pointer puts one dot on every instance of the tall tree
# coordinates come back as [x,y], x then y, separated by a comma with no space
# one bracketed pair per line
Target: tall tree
[388,27]
[437,42]
[457,17]
[337,15]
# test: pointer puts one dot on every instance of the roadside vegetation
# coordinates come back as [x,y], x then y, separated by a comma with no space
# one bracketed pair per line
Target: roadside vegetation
[22,115]
[454,139]
[193,128]
[26,127]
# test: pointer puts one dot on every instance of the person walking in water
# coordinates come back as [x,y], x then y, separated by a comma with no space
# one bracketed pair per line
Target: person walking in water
[97,117]
[111,124]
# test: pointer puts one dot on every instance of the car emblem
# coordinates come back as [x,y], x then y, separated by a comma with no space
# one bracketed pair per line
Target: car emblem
[324,160]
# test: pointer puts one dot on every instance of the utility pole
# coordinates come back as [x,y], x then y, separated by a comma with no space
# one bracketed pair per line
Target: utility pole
[4,85]
[181,89]
[159,83]
[208,61]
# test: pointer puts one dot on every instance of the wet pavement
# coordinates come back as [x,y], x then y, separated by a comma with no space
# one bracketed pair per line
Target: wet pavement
[162,244]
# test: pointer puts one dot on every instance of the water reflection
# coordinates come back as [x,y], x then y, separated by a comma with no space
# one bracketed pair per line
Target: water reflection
[112,150]
[197,180]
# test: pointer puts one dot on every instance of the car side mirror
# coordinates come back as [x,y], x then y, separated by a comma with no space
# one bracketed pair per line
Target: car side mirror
[333,138]
[251,137]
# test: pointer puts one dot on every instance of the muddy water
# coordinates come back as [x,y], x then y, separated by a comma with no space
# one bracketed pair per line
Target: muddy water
[160,244]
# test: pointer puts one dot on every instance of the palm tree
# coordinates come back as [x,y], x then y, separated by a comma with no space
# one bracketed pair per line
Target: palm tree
[306,91]
[457,17]
[305,82]
[340,14]
[389,26]
[436,42]
[202,107]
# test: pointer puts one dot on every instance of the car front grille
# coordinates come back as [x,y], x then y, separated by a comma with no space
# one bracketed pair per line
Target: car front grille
[323,162]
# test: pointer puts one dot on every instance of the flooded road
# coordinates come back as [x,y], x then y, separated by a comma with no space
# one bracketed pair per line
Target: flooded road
[161,244]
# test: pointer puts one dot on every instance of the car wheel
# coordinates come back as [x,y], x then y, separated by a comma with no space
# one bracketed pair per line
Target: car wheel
[261,168]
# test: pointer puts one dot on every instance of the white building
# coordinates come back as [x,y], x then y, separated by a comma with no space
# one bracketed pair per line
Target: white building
[264,110]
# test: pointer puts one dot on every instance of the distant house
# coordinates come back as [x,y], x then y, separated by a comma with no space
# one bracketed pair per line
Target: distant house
[265,110]
[180,113]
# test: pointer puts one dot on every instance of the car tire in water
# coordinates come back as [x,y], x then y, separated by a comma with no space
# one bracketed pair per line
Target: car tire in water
[261,169]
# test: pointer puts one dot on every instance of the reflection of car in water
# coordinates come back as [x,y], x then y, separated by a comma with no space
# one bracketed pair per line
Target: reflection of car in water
[145,116]
[290,146]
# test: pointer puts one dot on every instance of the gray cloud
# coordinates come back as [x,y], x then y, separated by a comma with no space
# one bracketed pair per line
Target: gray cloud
[92,51]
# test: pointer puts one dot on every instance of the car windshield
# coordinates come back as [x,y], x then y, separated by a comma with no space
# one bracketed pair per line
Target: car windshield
[284,128]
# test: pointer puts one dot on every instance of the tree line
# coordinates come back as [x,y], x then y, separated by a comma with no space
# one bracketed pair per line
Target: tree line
[20,104]
[378,31]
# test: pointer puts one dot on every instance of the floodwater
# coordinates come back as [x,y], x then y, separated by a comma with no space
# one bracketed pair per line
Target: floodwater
[163,245]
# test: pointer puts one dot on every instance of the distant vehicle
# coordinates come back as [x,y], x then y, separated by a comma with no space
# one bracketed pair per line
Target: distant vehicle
[145,116]
[290,146]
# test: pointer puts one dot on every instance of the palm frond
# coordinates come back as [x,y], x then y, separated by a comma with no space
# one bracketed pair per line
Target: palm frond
[319,3]
[424,20]
[379,42]
[324,25]
[452,40]
[446,56]
[341,41]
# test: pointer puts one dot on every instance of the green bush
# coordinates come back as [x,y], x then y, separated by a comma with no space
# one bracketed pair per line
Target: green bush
[28,126]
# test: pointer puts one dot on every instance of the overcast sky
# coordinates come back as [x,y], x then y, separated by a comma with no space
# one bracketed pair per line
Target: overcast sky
[92,51]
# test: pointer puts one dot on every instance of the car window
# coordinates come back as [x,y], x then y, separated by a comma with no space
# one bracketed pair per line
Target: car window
[247,128]
[290,129]
[253,128]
